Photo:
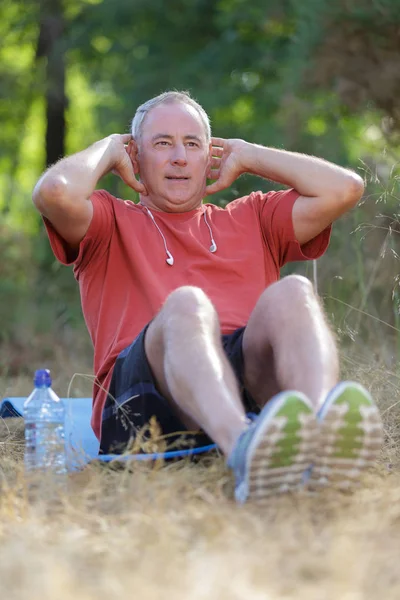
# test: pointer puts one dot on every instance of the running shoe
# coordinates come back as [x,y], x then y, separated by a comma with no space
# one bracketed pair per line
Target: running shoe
[351,436]
[271,456]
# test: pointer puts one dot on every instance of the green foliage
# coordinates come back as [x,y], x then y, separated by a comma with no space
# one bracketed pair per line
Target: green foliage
[15,278]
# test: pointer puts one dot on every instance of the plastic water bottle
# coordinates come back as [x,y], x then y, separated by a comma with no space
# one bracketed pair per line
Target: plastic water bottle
[44,415]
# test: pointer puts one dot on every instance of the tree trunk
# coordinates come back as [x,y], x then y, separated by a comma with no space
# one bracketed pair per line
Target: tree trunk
[52,48]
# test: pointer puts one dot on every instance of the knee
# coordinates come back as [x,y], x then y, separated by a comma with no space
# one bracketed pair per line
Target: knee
[295,286]
[288,292]
[189,302]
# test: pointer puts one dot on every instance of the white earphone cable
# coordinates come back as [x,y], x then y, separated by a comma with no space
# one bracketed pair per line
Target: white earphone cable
[170,258]
[213,247]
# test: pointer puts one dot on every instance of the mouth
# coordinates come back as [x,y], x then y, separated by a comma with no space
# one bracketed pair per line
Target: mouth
[177,178]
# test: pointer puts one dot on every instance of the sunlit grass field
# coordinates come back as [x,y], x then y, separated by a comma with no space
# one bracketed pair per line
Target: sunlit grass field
[173,530]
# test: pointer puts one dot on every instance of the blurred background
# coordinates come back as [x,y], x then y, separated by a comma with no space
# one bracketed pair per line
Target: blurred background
[313,76]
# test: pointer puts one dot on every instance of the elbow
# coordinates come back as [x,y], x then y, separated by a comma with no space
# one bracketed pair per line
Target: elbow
[49,190]
[353,190]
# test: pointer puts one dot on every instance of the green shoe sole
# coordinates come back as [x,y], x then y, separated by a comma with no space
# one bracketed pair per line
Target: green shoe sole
[281,447]
[350,439]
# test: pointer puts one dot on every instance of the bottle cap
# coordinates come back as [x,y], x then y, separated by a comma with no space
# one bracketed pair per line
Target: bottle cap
[42,378]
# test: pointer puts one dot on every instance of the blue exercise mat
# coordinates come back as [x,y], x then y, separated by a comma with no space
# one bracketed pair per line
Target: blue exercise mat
[82,444]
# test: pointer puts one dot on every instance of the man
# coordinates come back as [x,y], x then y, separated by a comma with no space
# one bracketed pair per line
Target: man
[184,306]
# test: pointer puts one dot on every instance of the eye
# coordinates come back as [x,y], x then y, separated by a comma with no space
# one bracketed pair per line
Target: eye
[162,143]
[193,144]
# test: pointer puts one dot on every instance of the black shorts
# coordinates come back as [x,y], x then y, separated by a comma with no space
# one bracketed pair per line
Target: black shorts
[133,399]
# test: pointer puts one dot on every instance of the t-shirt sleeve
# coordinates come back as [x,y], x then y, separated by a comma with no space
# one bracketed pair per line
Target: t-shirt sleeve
[97,238]
[277,227]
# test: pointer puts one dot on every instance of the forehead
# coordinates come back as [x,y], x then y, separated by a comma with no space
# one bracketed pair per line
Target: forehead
[176,119]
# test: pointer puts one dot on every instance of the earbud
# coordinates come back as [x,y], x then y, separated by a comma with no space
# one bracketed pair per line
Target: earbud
[213,247]
[170,259]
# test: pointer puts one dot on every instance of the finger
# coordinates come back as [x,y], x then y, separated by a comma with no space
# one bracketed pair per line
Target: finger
[215,163]
[214,174]
[213,189]
[220,184]
[217,151]
[137,186]
[126,138]
[131,181]
[218,141]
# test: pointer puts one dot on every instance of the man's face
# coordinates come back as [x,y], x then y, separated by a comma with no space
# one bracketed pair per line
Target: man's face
[173,158]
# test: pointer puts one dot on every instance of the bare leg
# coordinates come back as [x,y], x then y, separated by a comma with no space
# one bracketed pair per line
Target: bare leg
[183,347]
[287,344]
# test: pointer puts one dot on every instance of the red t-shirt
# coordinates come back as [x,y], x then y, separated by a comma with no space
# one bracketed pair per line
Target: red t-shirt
[124,278]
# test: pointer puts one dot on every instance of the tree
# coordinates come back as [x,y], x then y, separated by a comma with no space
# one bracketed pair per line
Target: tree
[51,48]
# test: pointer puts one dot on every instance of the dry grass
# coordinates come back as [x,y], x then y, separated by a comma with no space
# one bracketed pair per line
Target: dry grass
[174,530]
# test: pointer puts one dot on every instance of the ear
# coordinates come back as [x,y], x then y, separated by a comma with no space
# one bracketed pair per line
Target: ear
[132,150]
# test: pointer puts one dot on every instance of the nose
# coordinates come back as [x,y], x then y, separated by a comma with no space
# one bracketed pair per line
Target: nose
[179,155]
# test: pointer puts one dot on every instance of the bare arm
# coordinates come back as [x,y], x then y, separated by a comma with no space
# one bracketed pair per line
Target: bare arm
[62,193]
[326,190]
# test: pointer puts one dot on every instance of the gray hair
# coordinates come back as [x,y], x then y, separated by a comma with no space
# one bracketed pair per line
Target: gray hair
[168,98]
